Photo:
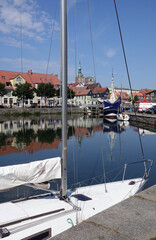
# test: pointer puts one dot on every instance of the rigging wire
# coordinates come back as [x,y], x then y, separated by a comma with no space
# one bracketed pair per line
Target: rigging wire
[51,40]
[75,43]
[123,49]
[91,39]
[21,38]
[128,75]
[103,166]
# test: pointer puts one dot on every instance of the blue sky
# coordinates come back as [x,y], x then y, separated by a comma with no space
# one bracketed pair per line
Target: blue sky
[137,19]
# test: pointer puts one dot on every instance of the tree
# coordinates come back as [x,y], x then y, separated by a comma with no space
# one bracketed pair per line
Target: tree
[3,91]
[23,91]
[45,90]
[136,98]
[70,93]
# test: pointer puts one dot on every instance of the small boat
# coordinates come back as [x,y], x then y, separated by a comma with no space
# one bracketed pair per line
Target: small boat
[122,117]
[111,106]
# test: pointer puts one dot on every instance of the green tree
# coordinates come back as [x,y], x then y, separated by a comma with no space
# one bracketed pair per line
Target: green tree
[3,91]
[136,98]
[70,93]
[45,90]
[23,92]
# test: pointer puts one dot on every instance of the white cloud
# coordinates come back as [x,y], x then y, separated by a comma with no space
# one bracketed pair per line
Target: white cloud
[110,52]
[39,66]
[15,43]
[34,22]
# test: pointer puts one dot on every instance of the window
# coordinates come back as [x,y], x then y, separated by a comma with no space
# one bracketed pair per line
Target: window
[19,79]
[5,101]
[3,77]
[8,84]
[6,126]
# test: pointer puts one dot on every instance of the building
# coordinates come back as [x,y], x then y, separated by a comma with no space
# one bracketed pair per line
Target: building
[10,79]
[80,78]
[102,93]
[151,95]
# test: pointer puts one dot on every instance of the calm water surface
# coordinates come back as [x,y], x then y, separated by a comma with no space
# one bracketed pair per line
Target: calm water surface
[95,148]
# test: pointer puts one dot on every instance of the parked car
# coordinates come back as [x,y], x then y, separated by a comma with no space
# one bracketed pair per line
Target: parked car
[151,110]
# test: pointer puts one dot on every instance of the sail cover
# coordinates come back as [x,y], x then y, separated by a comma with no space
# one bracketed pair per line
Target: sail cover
[115,105]
[34,172]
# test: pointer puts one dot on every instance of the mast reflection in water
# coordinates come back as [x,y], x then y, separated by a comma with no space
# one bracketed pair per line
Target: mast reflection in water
[95,148]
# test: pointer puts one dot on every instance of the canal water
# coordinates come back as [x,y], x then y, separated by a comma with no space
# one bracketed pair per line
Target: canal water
[97,149]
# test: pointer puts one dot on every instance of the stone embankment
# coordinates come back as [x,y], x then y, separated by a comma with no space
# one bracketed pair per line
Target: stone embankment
[143,118]
[132,219]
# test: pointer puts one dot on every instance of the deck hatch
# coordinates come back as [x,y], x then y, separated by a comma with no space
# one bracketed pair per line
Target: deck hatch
[43,235]
[81,197]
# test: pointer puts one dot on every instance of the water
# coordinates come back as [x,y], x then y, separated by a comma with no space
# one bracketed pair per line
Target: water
[97,150]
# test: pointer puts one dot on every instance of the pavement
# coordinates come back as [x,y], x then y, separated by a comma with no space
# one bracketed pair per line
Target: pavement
[132,219]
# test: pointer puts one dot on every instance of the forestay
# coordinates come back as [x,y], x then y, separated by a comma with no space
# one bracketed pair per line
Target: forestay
[34,172]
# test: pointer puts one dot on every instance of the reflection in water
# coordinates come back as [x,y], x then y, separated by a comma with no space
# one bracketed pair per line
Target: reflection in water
[112,129]
[26,140]
[29,135]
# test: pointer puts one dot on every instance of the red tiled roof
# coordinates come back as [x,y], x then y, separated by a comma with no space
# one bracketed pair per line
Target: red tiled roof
[30,77]
[99,90]
[144,91]
[81,91]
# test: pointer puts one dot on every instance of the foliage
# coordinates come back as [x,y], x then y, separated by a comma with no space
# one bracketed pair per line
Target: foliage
[136,98]
[70,93]
[24,136]
[129,99]
[23,91]
[2,139]
[45,90]
[119,97]
[3,91]
[47,136]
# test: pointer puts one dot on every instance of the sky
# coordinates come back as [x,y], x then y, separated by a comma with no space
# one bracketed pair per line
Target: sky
[30,39]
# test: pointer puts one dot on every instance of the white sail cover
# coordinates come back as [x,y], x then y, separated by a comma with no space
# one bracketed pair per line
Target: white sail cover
[34,172]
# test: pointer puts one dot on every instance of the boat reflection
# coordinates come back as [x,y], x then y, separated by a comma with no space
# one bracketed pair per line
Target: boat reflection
[112,129]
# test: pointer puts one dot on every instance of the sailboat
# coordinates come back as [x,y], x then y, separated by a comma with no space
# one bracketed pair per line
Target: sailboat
[45,216]
[111,106]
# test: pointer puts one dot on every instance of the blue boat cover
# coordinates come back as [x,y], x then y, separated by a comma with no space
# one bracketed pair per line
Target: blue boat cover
[115,105]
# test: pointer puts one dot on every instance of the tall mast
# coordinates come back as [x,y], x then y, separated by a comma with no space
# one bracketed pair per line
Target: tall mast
[63,20]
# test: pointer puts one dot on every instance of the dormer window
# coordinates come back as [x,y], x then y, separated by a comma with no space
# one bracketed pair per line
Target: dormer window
[3,77]
[19,79]
[8,84]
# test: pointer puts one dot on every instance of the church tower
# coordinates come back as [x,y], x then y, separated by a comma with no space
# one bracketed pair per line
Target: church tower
[80,78]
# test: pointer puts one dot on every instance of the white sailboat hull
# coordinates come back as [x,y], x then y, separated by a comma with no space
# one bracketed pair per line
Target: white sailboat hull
[122,117]
[55,216]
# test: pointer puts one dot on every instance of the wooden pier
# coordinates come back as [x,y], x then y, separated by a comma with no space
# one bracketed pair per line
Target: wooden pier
[94,111]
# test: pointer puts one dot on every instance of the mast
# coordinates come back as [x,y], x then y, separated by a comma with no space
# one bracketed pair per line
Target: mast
[63,20]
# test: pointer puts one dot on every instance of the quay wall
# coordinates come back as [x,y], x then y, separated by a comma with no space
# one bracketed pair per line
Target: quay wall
[53,110]
[143,118]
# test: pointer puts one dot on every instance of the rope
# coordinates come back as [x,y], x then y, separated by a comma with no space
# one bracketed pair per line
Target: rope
[91,39]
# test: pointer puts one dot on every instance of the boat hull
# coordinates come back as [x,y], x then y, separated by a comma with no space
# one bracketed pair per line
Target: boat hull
[111,110]
[49,215]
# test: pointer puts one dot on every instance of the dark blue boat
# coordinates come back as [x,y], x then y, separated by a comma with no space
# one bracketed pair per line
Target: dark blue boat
[111,110]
